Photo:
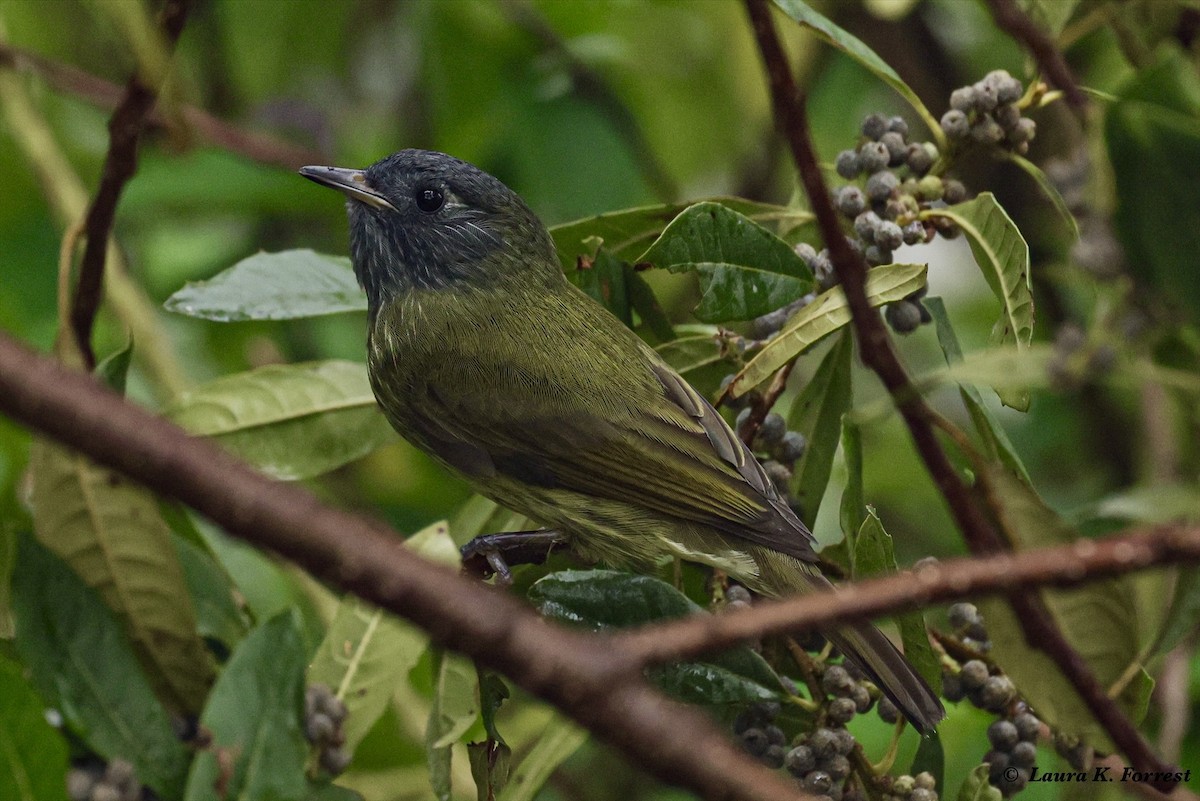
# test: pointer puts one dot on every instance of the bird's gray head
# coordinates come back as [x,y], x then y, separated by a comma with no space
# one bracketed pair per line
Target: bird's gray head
[425,220]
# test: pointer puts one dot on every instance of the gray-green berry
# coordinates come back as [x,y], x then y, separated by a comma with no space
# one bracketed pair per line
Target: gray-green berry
[897,149]
[887,711]
[918,158]
[913,233]
[1028,726]
[773,756]
[1002,734]
[874,126]
[772,429]
[953,191]
[986,131]
[865,225]
[755,741]
[842,710]
[334,760]
[955,124]
[818,782]
[889,236]
[880,185]
[823,743]
[800,761]
[1023,755]
[873,157]
[963,99]
[806,252]
[779,474]
[898,125]
[996,693]
[791,448]
[961,615]
[876,256]
[1007,116]
[904,317]
[974,674]
[847,164]
[850,201]
[1023,131]
[925,781]
[837,766]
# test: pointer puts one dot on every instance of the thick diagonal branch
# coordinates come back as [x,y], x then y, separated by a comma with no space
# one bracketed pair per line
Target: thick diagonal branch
[580,674]
[875,347]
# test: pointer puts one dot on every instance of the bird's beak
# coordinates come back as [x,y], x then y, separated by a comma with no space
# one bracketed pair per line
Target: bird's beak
[353,183]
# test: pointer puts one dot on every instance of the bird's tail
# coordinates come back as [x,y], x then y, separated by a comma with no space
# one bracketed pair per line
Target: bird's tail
[862,643]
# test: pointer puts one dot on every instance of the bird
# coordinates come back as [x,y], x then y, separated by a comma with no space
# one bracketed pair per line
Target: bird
[481,353]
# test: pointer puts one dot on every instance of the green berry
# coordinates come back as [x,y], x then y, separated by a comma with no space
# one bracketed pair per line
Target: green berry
[902,316]
[800,761]
[880,185]
[873,157]
[847,164]
[974,674]
[850,201]
[955,124]
[874,126]
[930,188]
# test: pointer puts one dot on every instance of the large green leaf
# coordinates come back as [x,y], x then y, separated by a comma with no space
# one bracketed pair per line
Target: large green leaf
[367,652]
[996,441]
[79,657]
[1003,257]
[559,740]
[454,709]
[601,599]
[112,534]
[628,232]
[874,556]
[217,613]
[827,313]
[816,413]
[1099,620]
[33,756]
[254,716]
[1153,137]
[852,46]
[745,270]
[274,286]
[291,421]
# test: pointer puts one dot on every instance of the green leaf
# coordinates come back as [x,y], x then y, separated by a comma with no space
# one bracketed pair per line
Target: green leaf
[493,692]
[602,599]
[81,661]
[1153,137]
[254,716]
[491,763]
[217,613]
[695,348]
[112,534]
[996,442]
[874,556]
[815,414]
[455,707]
[1152,503]
[1048,189]
[560,739]
[827,313]
[602,278]
[831,34]
[699,683]
[1099,620]
[273,286]
[644,302]
[291,421]
[930,758]
[332,792]
[1183,615]
[1003,256]
[113,368]
[977,788]
[745,270]
[367,652]
[853,509]
[33,756]
[628,232]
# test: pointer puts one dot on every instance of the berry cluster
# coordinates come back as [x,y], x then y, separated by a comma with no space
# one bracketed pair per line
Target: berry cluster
[968,626]
[780,447]
[1014,752]
[988,112]
[324,714]
[95,781]
[821,762]
[921,787]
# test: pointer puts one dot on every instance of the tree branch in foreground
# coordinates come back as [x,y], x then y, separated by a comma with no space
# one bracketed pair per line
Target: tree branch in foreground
[877,352]
[120,164]
[580,674]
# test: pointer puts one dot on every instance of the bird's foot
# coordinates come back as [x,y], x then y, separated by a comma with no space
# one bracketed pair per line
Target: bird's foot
[491,554]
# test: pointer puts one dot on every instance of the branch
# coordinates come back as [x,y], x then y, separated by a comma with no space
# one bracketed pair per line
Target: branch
[580,674]
[878,353]
[255,146]
[968,577]
[1017,24]
[124,128]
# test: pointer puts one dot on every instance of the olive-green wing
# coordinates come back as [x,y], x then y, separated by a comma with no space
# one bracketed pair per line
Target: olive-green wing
[667,450]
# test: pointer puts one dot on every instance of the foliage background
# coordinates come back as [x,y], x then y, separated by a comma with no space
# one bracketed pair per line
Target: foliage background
[493,83]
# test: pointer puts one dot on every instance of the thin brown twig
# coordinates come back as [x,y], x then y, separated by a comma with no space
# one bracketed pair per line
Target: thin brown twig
[120,164]
[878,353]
[1059,566]
[1017,24]
[760,406]
[260,147]
[580,674]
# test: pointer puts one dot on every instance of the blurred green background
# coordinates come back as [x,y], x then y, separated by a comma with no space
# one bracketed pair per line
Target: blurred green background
[582,107]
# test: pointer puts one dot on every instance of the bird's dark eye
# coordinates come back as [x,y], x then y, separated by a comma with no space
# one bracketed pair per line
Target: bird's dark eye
[429,199]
